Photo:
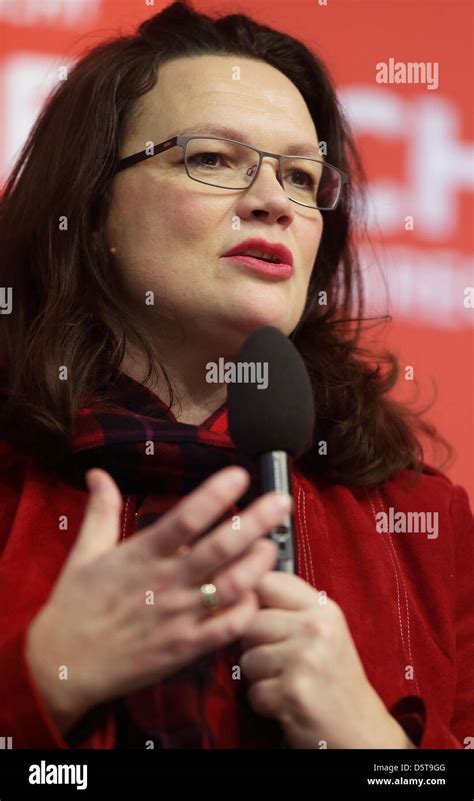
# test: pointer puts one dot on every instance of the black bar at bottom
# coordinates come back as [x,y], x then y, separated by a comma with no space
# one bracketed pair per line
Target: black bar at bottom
[130,773]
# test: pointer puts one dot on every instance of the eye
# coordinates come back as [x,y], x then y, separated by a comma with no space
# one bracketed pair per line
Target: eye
[204,159]
[308,180]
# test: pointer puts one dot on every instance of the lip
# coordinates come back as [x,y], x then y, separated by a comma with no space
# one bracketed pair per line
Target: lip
[275,271]
[276,249]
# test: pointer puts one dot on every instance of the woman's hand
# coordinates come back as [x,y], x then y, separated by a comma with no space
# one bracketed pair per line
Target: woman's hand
[305,671]
[121,618]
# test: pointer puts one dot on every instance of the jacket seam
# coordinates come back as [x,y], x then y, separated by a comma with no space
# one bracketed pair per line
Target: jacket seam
[125,518]
[310,575]
[301,539]
[395,561]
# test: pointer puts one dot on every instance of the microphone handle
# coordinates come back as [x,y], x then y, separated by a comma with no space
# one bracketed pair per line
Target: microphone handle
[275,474]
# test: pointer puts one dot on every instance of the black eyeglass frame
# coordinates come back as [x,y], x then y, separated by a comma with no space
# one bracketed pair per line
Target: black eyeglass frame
[182,141]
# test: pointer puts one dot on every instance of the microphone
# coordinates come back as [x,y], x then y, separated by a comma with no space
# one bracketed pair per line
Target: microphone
[273,424]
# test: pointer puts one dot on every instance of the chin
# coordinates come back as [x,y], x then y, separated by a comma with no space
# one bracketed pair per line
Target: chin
[251,322]
[234,332]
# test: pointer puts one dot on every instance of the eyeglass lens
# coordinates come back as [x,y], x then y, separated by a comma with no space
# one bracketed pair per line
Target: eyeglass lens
[227,164]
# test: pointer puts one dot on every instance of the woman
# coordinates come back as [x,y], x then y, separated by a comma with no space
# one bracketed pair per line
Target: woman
[184,635]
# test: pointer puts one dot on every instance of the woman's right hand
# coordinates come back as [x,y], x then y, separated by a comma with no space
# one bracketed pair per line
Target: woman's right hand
[98,620]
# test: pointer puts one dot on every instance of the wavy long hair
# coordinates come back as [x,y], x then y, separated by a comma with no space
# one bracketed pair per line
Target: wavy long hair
[68,311]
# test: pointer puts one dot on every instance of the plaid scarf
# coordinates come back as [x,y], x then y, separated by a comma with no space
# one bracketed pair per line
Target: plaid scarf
[158,460]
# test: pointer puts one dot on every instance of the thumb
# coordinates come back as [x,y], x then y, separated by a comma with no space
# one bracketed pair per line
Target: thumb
[100,527]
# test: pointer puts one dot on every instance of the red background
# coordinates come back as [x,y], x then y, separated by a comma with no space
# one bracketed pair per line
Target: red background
[416,144]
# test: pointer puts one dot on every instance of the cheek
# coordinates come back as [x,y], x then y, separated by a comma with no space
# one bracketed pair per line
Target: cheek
[142,213]
[195,219]
[311,236]
[317,233]
[129,216]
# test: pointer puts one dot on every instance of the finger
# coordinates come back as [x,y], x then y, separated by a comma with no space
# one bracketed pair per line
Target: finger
[225,544]
[270,625]
[100,528]
[265,697]
[281,590]
[217,631]
[231,584]
[235,581]
[194,514]
[266,661]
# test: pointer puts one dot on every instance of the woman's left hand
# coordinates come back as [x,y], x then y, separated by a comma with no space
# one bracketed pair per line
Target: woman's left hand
[305,672]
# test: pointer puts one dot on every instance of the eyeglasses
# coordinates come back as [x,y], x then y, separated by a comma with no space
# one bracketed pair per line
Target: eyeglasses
[228,164]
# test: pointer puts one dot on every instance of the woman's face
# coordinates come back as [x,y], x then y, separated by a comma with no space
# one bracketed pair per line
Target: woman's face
[169,233]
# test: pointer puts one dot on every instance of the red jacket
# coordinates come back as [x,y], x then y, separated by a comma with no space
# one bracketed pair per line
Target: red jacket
[408,597]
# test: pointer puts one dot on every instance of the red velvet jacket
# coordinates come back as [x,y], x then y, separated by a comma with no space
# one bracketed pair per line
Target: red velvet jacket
[408,598]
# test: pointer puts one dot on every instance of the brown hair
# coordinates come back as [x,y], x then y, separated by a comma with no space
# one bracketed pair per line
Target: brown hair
[68,311]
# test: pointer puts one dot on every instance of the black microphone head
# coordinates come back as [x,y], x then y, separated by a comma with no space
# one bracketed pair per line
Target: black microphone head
[271,401]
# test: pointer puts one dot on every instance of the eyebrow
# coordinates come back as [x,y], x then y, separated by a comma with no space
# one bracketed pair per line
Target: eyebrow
[302,149]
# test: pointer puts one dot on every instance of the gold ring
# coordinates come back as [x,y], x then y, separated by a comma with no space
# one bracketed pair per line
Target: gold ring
[210,597]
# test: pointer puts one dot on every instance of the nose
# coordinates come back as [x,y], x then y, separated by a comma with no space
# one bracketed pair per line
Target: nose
[269,163]
[266,196]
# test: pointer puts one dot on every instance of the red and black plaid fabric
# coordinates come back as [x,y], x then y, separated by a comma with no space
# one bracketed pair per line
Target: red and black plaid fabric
[158,460]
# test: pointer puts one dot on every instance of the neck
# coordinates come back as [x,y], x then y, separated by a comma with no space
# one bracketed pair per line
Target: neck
[195,399]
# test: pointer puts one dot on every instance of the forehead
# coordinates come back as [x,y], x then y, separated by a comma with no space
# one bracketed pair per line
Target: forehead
[241,93]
